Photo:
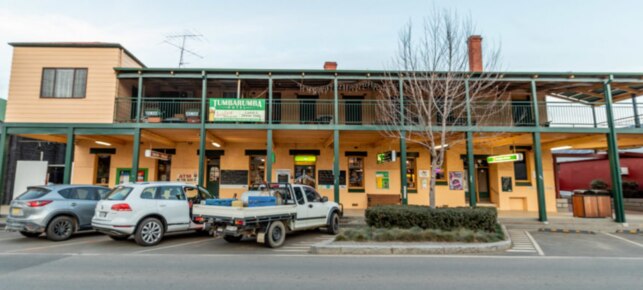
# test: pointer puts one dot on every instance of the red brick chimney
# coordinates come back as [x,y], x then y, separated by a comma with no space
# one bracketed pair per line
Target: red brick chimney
[330,65]
[474,43]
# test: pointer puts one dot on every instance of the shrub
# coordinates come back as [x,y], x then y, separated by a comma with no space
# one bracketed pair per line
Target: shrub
[631,190]
[423,217]
[416,234]
[598,184]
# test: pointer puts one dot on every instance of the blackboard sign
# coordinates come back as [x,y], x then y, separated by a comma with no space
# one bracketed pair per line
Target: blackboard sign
[234,177]
[326,177]
[507,184]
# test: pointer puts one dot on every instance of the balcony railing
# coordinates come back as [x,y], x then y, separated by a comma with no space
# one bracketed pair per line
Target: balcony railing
[365,112]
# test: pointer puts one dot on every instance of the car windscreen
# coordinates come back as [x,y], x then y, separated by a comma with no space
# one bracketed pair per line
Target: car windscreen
[119,193]
[33,193]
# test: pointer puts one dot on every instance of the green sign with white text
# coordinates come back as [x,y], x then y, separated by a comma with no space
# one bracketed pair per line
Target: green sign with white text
[505,158]
[237,110]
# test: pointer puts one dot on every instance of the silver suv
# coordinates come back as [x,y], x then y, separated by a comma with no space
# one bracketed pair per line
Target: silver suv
[56,210]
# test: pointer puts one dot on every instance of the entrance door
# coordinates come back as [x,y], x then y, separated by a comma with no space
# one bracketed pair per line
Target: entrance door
[163,170]
[305,174]
[213,174]
[276,108]
[482,182]
[307,108]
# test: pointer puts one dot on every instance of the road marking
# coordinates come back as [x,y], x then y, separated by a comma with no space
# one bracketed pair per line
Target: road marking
[522,243]
[624,239]
[174,246]
[533,241]
[58,245]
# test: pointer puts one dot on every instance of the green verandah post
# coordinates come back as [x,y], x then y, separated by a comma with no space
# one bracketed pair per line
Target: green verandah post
[403,181]
[136,144]
[202,137]
[69,155]
[269,144]
[471,171]
[540,182]
[3,153]
[612,153]
[336,171]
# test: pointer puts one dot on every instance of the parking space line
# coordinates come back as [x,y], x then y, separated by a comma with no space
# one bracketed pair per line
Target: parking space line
[57,245]
[533,241]
[624,239]
[173,246]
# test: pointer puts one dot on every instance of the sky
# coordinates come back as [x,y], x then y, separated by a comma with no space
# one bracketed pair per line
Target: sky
[543,35]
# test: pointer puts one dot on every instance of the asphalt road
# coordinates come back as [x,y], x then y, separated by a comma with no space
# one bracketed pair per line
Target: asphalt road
[538,260]
[24,271]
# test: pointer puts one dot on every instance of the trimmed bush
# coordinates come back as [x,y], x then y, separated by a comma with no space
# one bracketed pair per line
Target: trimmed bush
[598,184]
[424,217]
[415,234]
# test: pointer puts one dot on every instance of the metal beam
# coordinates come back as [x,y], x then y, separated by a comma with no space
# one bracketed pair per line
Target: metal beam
[612,152]
[635,108]
[403,187]
[69,156]
[540,183]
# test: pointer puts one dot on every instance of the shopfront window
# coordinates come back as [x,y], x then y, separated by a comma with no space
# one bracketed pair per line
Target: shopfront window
[440,173]
[257,170]
[411,173]
[520,169]
[356,173]
[305,170]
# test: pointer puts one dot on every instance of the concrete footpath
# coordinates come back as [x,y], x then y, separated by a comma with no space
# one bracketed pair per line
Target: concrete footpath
[408,248]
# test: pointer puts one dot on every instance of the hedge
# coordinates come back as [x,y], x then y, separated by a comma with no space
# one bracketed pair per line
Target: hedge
[406,217]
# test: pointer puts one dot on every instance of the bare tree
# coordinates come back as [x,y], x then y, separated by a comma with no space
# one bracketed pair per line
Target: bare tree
[433,71]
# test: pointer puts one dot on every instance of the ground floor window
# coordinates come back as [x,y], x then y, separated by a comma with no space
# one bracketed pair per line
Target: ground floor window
[520,170]
[356,173]
[440,172]
[103,163]
[257,169]
[411,173]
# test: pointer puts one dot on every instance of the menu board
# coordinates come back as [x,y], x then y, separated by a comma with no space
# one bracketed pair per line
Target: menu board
[234,177]
[326,177]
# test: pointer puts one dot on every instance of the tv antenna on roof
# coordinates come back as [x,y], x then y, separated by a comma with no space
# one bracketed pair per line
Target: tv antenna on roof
[179,41]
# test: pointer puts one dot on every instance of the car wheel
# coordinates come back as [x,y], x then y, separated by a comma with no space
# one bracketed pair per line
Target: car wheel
[149,232]
[232,239]
[333,225]
[275,235]
[119,237]
[30,234]
[60,228]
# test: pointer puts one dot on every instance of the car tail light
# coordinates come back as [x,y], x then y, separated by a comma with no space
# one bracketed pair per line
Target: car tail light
[38,203]
[239,222]
[121,207]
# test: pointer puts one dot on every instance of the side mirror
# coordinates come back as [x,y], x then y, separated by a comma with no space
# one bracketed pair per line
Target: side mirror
[324,199]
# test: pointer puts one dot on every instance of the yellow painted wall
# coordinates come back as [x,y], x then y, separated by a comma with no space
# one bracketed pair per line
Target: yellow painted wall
[186,162]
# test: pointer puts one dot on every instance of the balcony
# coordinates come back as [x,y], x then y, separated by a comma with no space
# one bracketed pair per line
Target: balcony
[365,112]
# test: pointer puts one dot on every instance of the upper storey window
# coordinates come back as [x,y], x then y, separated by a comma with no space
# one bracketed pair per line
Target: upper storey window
[63,83]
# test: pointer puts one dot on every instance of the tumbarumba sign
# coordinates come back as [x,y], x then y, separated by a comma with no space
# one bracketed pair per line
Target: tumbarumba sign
[237,110]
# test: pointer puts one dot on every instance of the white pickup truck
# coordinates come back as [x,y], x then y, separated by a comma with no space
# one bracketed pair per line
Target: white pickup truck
[299,207]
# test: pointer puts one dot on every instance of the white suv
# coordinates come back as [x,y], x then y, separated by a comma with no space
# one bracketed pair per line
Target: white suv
[148,210]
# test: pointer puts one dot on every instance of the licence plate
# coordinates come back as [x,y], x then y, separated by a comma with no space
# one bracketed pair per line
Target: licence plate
[231,228]
[102,214]
[16,211]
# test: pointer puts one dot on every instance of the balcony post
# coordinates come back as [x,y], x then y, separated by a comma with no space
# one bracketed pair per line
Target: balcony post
[612,153]
[403,181]
[139,98]
[202,132]
[637,119]
[594,116]
[471,171]
[336,171]
[69,155]
[540,181]
[136,144]
[269,144]
[270,99]
[3,154]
